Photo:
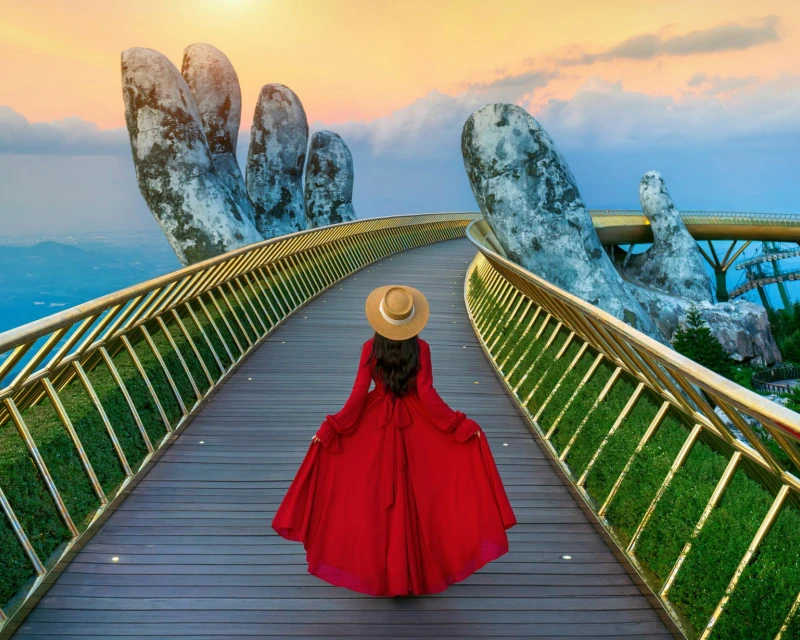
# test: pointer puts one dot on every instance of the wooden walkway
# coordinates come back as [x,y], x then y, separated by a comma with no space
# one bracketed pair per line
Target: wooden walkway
[197,558]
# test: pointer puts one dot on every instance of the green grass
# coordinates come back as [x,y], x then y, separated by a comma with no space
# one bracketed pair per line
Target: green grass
[565,391]
[555,370]
[536,347]
[719,548]
[63,462]
[598,426]
[580,407]
[768,586]
[119,415]
[28,495]
[619,449]
[645,476]
[93,436]
[15,568]
[679,510]
[542,364]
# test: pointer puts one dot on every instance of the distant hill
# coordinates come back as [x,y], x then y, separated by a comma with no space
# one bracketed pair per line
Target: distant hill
[44,278]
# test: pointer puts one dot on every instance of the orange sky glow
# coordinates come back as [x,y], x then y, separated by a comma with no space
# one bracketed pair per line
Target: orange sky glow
[357,60]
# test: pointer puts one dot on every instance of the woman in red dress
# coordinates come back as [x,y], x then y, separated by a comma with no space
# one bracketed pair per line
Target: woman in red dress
[398,494]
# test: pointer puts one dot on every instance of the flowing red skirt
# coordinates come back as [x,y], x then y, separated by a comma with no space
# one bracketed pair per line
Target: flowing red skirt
[397,511]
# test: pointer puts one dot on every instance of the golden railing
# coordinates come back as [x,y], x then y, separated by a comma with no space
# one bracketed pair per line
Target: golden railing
[527,328]
[620,226]
[174,339]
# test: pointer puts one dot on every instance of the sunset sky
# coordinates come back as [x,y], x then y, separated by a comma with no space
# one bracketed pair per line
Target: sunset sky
[707,92]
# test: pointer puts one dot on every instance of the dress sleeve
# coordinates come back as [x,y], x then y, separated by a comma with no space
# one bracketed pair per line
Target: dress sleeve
[440,414]
[345,421]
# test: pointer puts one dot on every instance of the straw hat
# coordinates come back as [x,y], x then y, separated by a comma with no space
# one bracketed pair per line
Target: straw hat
[397,312]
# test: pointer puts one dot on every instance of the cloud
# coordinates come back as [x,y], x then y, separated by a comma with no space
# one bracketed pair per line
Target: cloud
[70,136]
[698,79]
[720,85]
[600,113]
[431,125]
[604,113]
[727,37]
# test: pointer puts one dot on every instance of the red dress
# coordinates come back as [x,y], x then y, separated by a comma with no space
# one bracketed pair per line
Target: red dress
[401,496]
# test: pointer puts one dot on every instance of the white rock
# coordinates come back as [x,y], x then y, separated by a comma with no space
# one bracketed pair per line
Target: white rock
[529,197]
[215,86]
[673,263]
[278,142]
[174,168]
[329,181]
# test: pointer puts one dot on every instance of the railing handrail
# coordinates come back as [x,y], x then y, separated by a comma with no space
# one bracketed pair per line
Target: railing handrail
[13,337]
[745,400]
[142,361]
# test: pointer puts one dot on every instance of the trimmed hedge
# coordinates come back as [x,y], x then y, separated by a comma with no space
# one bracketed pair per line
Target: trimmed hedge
[63,462]
[555,369]
[29,498]
[768,586]
[598,426]
[543,363]
[119,415]
[619,449]
[719,548]
[93,436]
[565,391]
[645,476]
[15,568]
[679,510]
[581,407]
[142,400]
[536,347]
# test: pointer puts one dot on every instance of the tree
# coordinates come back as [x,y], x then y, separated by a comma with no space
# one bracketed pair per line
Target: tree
[695,341]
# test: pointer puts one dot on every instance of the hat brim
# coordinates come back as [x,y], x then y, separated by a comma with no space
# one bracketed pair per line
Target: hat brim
[396,331]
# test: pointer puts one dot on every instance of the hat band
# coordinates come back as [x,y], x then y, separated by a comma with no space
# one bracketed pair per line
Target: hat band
[405,320]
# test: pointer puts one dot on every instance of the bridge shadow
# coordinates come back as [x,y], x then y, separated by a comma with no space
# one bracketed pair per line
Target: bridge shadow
[190,553]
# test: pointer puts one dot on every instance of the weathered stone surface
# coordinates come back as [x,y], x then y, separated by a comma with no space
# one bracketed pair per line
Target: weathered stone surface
[329,181]
[174,168]
[215,85]
[278,141]
[527,193]
[673,263]
[741,326]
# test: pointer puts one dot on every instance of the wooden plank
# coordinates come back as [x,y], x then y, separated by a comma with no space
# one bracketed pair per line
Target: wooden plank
[196,557]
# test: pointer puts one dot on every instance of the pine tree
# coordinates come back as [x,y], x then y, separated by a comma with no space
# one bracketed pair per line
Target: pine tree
[695,341]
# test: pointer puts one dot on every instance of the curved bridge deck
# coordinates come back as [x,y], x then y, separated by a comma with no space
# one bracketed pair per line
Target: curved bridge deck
[197,558]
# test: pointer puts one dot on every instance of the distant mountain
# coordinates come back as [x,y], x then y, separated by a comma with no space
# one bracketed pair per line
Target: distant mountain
[44,278]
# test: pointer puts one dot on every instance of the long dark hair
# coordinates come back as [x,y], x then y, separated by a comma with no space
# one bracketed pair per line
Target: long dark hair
[396,363]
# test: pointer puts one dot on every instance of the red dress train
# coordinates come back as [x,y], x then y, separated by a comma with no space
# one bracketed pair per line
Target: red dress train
[401,496]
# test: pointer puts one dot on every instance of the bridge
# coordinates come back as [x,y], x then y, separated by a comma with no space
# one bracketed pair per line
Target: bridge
[148,436]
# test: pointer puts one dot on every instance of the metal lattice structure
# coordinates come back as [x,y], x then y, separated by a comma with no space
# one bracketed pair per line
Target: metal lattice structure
[216,311]
[508,304]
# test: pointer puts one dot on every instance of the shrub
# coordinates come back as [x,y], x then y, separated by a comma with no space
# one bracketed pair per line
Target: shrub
[768,586]
[598,426]
[619,449]
[719,548]
[565,391]
[696,341]
[679,509]
[645,476]
[581,406]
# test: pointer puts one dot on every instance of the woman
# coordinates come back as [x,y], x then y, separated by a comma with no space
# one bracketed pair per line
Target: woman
[398,494]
